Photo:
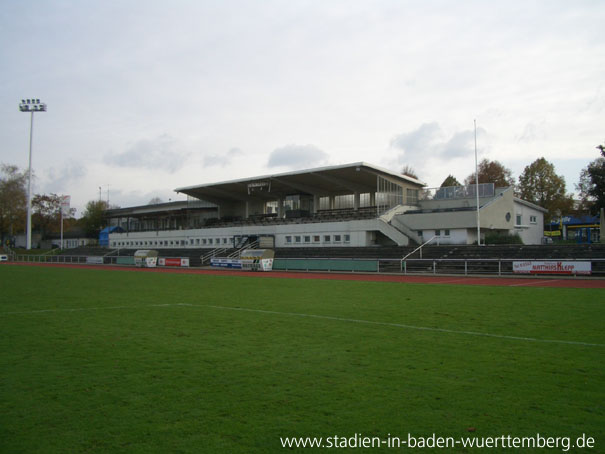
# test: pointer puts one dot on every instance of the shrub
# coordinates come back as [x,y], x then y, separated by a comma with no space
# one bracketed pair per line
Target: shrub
[503,238]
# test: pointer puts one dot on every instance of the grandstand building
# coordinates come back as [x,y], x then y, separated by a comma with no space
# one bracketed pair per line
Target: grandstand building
[353,205]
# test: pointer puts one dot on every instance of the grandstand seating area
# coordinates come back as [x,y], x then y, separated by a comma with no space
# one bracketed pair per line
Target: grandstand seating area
[336,215]
[457,252]
[551,251]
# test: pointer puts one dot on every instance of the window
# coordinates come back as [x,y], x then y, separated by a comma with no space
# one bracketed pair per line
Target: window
[533,219]
[210,240]
[437,232]
[316,238]
[411,196]
[446,232]
[297,239]
[204,241]
[288,239]
[327,238]
[337,238]
[419,233]
[519,219]
[347,238]
[307,239]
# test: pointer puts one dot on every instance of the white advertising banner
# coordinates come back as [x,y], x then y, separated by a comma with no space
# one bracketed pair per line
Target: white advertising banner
[551,267]
[65,202]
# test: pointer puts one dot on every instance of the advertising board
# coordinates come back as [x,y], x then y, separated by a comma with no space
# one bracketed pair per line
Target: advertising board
[551,267]
[168,261]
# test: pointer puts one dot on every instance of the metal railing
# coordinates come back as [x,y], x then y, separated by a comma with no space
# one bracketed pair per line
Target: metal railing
[499,267]
[237,253]
[419,248]
[213,253]
[29,258]
[458,192]
[464,267]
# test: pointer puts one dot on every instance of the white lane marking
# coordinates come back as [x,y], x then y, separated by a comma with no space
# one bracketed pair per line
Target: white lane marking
[81,309]
[321,317]
[400,325]
[534,283]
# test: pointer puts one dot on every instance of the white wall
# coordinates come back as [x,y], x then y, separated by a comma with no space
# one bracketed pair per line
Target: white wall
[529,229]
[224,237]
[446,236]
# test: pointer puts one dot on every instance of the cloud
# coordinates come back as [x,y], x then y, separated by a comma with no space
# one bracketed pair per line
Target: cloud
[297,157]
[434,154]
[126,198]
[532,132]
[430,142]
[58,180]
[460,144]
[222,160]
[159,153]
[418,141]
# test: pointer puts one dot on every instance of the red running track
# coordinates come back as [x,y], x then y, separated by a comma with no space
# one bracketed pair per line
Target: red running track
[555,282]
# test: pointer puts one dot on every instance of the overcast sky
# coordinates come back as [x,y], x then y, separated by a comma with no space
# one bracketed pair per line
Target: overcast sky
[147,96]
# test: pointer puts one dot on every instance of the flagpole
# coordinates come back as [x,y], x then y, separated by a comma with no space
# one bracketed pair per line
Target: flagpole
[61,228]
[477,188]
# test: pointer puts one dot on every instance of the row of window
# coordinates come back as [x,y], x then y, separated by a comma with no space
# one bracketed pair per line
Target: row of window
[318,239]
[446,232]
[226,242]
[532,219]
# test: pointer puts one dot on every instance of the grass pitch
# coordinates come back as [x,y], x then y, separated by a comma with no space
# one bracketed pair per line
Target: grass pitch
[106,361]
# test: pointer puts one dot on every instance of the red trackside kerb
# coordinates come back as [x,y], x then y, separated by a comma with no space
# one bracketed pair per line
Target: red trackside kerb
[534,281]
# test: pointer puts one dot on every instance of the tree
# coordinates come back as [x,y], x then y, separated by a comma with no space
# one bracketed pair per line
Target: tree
[46,213]
[13,200]
[540,184]
[409,171]
[155,201]
[592,183]
[450,181]
[492,172]
[93,219]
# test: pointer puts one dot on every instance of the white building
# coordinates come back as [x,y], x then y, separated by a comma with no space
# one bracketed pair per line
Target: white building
[349,205]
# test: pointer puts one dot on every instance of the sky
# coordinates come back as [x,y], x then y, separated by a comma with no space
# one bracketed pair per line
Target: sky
[147,96]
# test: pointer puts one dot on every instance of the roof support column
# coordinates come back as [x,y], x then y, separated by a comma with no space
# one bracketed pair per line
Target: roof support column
[316,203]
[280,207]
[356,201]
[332,202]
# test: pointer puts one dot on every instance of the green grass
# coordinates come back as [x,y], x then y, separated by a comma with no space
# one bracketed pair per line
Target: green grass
[119,375]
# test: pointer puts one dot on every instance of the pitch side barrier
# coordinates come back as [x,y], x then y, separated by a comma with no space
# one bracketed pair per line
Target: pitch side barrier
[99,260]
[499,267]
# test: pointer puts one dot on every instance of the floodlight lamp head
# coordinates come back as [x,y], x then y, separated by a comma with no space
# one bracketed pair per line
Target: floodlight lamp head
[32,105]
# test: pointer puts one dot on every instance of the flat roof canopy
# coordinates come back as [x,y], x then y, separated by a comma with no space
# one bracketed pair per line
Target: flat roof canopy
[358,177]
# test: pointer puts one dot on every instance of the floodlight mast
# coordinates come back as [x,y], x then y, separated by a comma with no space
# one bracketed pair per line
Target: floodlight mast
[30,105]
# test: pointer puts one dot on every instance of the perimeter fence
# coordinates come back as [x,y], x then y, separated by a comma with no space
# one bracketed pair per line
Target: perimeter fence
[466,267]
